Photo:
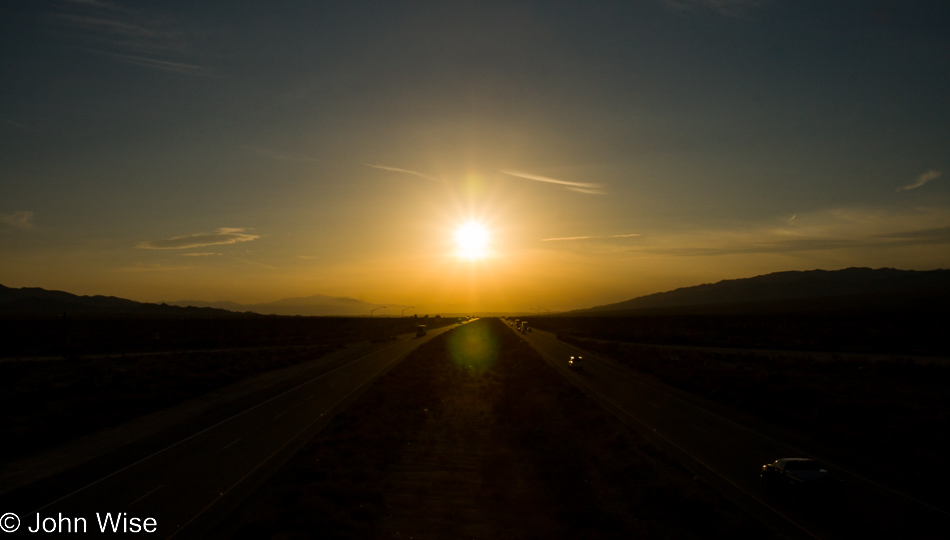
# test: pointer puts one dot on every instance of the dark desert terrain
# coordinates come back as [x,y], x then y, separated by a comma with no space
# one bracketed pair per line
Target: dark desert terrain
[853,384]
[474,432]
[63,377]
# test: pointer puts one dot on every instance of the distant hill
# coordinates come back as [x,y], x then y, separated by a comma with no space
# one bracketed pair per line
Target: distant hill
[34,301]
[848,289]
[316,305]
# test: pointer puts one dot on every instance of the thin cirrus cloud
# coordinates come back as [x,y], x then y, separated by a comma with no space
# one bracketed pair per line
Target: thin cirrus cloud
[921,180]
[929,237]
[404,171]
[580,187]
[129,35]
[177,67]
[223,236]
[567,238]
[933,236]
[763,247]
[20,220]
[845,230]
[139,267]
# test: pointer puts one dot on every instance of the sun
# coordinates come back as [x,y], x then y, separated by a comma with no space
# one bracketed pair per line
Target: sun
[471,241]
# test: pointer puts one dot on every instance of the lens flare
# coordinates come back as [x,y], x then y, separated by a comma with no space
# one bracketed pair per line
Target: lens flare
[471,240]
[473,347]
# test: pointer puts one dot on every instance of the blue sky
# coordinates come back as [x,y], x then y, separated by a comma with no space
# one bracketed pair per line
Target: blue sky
[250,151]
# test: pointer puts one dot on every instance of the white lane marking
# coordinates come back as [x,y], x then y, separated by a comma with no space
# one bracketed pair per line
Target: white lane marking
[147,494]
[209,428]
[699,428]
[230,443]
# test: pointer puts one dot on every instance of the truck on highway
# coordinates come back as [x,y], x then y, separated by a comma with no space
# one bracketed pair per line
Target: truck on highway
[420,330]
[798,473]
[576,363]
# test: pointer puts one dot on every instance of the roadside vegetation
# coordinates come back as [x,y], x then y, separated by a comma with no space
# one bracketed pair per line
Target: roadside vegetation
[75,336]
[900,332]
[47,403]
[891,417]
[44,403]
[474,435]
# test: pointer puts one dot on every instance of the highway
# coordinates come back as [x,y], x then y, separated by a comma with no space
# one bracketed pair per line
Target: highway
[728,456]
[190,483]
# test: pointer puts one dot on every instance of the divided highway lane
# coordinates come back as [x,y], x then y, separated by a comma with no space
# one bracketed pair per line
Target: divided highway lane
[190,485]
[728,455]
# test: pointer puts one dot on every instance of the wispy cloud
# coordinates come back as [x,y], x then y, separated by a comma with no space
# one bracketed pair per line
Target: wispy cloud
[404,171]
[588,237]
[129,35]
[872,231]
[921,180]
[20,220]
[141,267]
[206,254]
[280,156]
[938,235]
[760,247]
[177,67]
[930,237]
[223,236]
[580,187]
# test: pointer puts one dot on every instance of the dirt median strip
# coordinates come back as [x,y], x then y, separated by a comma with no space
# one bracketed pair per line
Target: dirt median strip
[474,436]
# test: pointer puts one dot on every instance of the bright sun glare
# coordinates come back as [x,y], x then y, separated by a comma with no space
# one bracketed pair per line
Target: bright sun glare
[471,241]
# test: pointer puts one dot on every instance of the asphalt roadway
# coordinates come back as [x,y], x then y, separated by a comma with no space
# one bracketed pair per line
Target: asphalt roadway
[188,482]
[728,456]
[191,479]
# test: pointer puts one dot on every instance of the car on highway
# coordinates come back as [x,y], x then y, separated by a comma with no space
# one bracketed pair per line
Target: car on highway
[576,362]
[797,473]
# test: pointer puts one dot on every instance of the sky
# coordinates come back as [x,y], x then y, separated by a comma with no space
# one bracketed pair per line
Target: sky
[252,151]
